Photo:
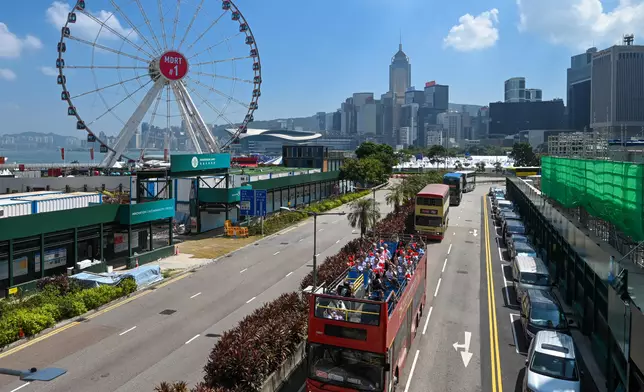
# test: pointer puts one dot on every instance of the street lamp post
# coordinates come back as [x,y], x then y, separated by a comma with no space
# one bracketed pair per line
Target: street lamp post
[315,232]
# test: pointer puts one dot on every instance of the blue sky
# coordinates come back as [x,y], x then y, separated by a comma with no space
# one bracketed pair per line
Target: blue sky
[316,53]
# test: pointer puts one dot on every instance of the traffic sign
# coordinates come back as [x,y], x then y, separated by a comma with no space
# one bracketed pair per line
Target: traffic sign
[247,202]
[260,203]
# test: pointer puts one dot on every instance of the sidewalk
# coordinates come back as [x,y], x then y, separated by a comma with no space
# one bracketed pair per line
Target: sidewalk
[593,374]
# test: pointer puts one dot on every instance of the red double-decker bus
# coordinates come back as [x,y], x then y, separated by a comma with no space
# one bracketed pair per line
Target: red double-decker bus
[361,344]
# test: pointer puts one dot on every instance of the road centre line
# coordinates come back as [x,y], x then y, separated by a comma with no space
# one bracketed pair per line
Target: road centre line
[127,330]
[497,381]
[20,387]
[337,241]
[193,338]
[250,300]
[301,239]
[195,295]
[244,270]
[449,249]
[321,230]
[276,253]
[411,372]
[429,314]
[438,286]
[289,274]
[444,265]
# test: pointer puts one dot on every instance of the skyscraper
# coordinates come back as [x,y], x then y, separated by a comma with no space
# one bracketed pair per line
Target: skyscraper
[399,74]
[515,90]
[578,90]
[617,83]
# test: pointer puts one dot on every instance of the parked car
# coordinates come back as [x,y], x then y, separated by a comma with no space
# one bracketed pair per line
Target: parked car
[494,191]
[504,214]
[541,311]
[529,273]
[516,248]
[510,227]
[497,203]
[551,364]
[520,238]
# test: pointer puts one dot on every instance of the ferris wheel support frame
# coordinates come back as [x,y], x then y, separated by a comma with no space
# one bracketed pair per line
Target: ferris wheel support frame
[207,136]
[132,125]
[185,115]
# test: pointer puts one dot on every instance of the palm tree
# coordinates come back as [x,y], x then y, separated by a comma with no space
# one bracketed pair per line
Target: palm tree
[396,196]
[364,213]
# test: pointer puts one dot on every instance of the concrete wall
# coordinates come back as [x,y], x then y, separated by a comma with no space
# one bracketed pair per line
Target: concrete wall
[55,183]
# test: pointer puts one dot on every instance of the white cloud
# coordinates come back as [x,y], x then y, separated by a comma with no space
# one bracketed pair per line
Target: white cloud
[11,46]
[86,27]
[49,71]
[474,32]
[7,74]
[582,23]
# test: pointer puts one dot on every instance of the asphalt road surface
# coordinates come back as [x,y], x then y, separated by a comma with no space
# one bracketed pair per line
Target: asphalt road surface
[456,314]
[168,333]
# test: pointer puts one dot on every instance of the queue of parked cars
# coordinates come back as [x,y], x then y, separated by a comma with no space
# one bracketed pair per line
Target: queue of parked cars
[551,363]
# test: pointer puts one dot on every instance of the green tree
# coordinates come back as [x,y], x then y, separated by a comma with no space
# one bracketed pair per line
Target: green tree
[364,213]
[437,152]
[382,152]
[367,171]
[522,155]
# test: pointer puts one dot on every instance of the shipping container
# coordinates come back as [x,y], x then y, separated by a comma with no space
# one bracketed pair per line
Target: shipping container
[10,208]
[63,201]
[27,194]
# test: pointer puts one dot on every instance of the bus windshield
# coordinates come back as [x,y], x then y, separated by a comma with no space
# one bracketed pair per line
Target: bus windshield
[354,369]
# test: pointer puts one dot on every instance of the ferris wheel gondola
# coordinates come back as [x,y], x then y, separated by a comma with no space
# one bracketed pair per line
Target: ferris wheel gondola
[158,71]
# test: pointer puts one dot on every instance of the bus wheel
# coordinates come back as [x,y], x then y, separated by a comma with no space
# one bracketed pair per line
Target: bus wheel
[417,321]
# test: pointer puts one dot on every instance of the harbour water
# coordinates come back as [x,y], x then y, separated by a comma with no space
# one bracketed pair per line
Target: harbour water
[54,156]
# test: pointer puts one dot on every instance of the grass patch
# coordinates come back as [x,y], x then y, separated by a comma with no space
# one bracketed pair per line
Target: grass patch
[214,247]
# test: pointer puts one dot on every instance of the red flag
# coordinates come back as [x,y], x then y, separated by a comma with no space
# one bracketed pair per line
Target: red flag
[62,153]
[91,154]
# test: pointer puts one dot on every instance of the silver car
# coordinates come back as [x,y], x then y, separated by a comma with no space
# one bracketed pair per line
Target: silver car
[552,364]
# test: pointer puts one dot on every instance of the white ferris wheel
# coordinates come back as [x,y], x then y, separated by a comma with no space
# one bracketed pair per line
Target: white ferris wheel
[159,73]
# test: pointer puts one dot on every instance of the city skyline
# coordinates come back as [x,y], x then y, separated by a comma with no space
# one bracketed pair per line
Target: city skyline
[471,39]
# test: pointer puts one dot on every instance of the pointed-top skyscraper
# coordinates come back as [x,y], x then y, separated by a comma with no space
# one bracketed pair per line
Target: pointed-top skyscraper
[399,73]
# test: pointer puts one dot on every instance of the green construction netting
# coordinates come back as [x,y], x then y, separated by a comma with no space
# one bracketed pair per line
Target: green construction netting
[612,191]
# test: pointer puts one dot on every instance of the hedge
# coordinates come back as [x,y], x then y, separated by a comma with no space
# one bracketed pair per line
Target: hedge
[282,220]
[58,298]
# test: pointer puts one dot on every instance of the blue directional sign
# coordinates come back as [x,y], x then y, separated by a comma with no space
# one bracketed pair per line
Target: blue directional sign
[260,203]
[247,202]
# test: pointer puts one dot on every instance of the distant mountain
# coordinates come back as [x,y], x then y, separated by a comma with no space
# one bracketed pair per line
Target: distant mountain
[40,139]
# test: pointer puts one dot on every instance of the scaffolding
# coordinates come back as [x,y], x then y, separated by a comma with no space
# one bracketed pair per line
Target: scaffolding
[591,145]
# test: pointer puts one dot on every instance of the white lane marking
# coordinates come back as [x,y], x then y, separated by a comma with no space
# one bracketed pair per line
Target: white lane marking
[301,239]
[454,233]
[500,254]
[250,300]
[317,255]
[334,222]
[196,295]
[444,265]
[127,330]
[20,387]
[411,372]
[193,338]
[276,253]
[337,241]
[514,333]
[437,287]
[289,274]
[459,217]
[320,230]
[244,270]
[429,314]
[449,249]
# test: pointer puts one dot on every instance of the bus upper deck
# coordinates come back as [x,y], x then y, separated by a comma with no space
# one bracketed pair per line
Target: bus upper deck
[470,179]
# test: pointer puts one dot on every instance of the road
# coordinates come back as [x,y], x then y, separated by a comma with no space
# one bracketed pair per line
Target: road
[168,333]
[456,288]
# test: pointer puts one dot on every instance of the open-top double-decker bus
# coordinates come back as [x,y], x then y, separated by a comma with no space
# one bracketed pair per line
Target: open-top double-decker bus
[361,342]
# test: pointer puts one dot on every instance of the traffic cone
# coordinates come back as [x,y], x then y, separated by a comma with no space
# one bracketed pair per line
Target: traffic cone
[137,263]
